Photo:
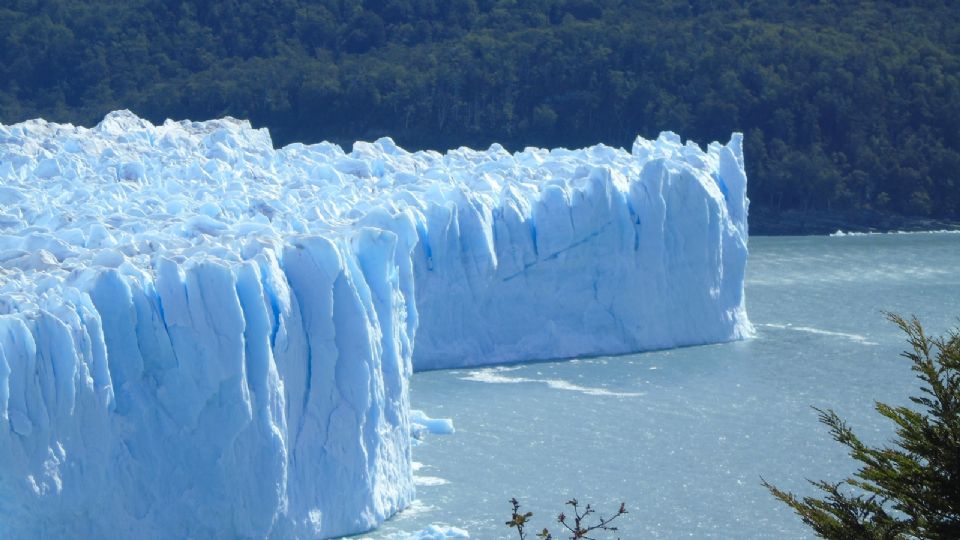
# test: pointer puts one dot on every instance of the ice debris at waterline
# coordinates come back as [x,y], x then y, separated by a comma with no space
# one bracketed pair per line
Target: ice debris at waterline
[203,336]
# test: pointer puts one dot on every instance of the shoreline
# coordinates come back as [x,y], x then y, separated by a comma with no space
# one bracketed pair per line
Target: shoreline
[795,223]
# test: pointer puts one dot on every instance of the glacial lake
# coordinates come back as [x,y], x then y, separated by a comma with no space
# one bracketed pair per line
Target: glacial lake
[683,436]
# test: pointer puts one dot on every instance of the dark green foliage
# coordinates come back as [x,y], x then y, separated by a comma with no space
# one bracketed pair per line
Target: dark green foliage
[910,489]
[846,106]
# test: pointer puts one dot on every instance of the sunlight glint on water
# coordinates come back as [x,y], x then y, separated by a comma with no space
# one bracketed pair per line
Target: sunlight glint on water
[683,436]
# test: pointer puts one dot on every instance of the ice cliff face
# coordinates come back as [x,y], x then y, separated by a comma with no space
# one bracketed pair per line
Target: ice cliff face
[554,254]
[202,336]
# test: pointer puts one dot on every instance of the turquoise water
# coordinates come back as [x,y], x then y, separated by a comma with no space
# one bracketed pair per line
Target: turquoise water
[684,436]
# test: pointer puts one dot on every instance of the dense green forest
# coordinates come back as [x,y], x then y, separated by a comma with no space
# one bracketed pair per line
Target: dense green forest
[846,105]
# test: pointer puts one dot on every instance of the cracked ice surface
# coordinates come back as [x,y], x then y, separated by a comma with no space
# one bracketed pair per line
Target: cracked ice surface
[203,336]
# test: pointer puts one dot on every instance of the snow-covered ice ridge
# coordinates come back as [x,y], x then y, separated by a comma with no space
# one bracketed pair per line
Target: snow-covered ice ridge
[204,336]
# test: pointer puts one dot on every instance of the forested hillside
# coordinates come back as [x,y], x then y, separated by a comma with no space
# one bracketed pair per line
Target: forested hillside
[846,105]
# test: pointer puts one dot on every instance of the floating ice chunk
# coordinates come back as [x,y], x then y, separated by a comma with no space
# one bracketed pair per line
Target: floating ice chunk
[438,532]
[436,426]
[432,532]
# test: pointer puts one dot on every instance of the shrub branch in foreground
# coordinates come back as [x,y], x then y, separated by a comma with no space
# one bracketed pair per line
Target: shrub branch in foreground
[578,525]
[912,488]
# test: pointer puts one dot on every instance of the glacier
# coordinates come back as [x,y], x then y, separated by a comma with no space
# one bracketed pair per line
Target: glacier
[204,336]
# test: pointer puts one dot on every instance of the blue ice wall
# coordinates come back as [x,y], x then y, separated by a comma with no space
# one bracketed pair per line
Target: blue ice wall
[204,336]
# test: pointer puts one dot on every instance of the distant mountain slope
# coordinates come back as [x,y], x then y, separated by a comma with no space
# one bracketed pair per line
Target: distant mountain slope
[846,106]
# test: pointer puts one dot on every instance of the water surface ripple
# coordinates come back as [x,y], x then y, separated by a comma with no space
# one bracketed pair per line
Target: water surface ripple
[683,436]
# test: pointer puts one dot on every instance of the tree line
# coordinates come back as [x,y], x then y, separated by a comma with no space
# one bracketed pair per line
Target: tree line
[845,105]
